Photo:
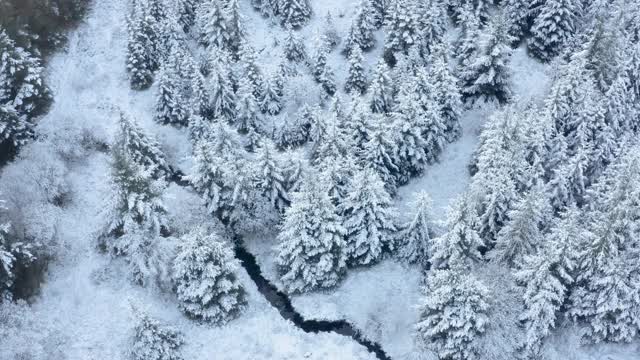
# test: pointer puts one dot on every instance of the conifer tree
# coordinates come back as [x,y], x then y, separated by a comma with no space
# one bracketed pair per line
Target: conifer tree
[432,25]
[434,131]
[140,147]
[381,90]
[330,33]
[201,102]
[153,340]
[319,61]
[22,85]
[169,103]
[311,250]
[270,178]
[14,129]
[252,71]
[380,153]
[522,234]
[402,26]
[453,313]
[294,49]
[553,27]
[235,26]
[446,94]
[378,12]
[359,126]
[137,219]
[294,13]
[461,242]
[213,25]
[187,11]
[466,47]
[12,254]
[328,81]
[368,218]
[499,196]
[546,277]
[207,286]
[223,99]
[408,125]
[271,102]
[415,236]
[247,114]
[605,293]
[356,80]
[517,14]
[361,31]
[140,55]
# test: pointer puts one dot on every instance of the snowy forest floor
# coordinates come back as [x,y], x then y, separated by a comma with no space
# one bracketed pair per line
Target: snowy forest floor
[83,310]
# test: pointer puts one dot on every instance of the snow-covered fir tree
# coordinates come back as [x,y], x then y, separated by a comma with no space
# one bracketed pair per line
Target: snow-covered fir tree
[603,297]
[330,32]
[461,243]
[143,48]
[204,273]
[311,250]
[381,89]
[360,126]
[252,70]
[271,102]
[356,80]
[14,129]
[546,277]
[414,237]
[445,92]
[170,106]
[294,13]
[223,98]
[432,25]
[140,147]
[235,26]
[522,235]
[434,130]
[155,341]
[270,178]
[553,27]
[486,75]
[247,115]
[368,218]
[378,12]
[466,46]
[213,25]
[498,196]
[22,84]
[407,124]
[361,31]
[453,313]
[137,219]
[294,49]
[380,153]
[13,254]
[201,98]
[402,26]
[187,11]
[518,16]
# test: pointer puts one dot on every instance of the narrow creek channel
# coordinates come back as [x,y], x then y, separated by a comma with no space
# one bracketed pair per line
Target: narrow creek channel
[281,301]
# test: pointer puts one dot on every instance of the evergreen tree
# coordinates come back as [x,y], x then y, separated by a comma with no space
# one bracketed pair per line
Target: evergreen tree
[466,46]
[154,341]
[605,295]
[434,131]
[12,254]
[141,148]
[270,178]
[378,12]
[368,218]
[546,277]
[402,26]
[294,13]
[137,219]
[252,71]
[272,98]
[330,33]
[461,242]
[294,48]
[204,272]
[235,27]
[140,54]
[522,234]
[446,94]
[359,126]
[223,99]
[499,194]
[408,125]
[517,14]
[22,85]
[201,102]
[381,90]
[380,153]
[319,61]
[486,75]
[247,114]
[356,80]
[415,235]
[553,27]
[311,252]
[328,81]
[169,104]
[432,25]
[14,129]
[362,27]
[453,313]
[187,11]
[213,25]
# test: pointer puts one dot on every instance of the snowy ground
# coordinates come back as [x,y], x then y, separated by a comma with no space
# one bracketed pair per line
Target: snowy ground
[83,311]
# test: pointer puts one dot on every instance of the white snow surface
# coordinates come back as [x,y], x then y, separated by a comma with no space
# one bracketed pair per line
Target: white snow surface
[83,311]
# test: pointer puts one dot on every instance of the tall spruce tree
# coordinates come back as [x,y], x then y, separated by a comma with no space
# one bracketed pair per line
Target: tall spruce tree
[247,114]
[356,80]
[294,48]
[14,129]
[207,286]
[270,178]
[170,106]
[213,25]
[381,90]
[140,147]
[294,13]
[402,26]
[361,31]
[311,250]
[553,27]
[368,218]
[415,235]
[154,341]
